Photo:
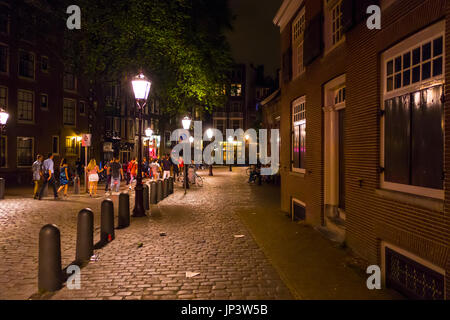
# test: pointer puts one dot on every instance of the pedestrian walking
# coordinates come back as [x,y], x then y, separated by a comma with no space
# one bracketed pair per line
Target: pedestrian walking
[116,173]
[92,170]
[166,167]
[63,176]
[132,168]
[49,177]
[107,167]
[37,175]
[155,169]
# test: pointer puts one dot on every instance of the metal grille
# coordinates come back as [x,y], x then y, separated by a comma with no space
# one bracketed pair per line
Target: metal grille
[413,279]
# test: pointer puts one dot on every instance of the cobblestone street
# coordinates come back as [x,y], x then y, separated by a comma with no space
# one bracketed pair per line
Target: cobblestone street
[200,237]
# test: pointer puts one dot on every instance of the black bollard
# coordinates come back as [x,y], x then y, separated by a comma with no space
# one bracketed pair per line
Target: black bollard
[153,198]
[159,191]
[170,185]
[85,235]
[107,221]
[124,210]
[146,197]
[164,188]
[2,188]
[50,273]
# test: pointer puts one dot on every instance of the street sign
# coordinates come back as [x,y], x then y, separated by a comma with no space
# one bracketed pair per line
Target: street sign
[86,139]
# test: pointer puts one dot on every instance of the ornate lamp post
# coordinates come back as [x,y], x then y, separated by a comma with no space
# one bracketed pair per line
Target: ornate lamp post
[186,125]
[209,134]
[141,88]
[148,134]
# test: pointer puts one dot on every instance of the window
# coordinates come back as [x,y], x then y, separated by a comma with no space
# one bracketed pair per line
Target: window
[55,145]
[3,152]
[71,146]
[336,22]
[236,89]
[4,58]
[69,81]
[421,63]
[4,19]
[4,98]
[412,133]
[44,64]
[339,96]
[26,64]
[82,107]
[25,151]
[299,134]
[25,106]
[69,112]
[298,31]
[44,101]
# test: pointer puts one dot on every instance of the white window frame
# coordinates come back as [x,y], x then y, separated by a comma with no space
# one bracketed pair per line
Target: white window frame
[40,101]
[58,151]
[297,35]
[5,144]
[298,118]
[32,151]
[7,58]
[34,65]
[32,104]
[74,113]
[410,43]
[330,6]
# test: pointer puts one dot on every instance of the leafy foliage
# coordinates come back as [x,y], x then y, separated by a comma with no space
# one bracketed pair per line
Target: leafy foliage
[179,44]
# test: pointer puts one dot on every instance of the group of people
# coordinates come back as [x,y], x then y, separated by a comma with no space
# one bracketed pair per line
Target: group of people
[113,172]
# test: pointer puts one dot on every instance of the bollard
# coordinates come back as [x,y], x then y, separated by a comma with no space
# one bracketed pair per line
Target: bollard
[2,188]
[85,235]
[159,191]
[107,221]
[50,274]
[146,197]
[124,210]
[153,197]
[76,185]
[166,188]
[170,185]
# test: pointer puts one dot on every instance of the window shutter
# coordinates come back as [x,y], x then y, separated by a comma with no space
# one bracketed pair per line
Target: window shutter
[354,12]
[313,45]
[287,65]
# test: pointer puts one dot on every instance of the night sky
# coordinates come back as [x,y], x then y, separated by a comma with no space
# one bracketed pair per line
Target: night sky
[255,39]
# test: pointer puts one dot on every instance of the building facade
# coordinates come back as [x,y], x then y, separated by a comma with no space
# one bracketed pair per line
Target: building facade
[363,112]
[48,105]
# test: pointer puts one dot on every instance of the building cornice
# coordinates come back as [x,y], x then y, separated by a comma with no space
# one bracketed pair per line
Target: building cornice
[286,12]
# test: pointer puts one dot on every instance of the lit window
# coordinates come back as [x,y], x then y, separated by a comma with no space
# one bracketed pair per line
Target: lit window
[71,146]
[299,134]
[236,89]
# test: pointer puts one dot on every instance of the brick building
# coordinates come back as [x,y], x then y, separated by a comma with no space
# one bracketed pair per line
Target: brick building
[363,125]
[47,104]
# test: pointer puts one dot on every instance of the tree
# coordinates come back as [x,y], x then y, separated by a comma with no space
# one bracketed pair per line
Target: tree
[179,44]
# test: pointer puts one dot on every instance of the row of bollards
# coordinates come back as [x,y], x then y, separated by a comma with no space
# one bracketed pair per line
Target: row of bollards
[50,275]
[159,190]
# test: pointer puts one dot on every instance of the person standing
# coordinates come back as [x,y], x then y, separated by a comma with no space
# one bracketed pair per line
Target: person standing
[116,173]
[155,169]
[166,167]
[92,170]
[49,177]
[107,167]
[63,176]
[37,174]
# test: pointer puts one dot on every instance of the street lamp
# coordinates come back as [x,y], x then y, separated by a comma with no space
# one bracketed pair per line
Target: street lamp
[3,119]
[148,132]
[209,134]
[141,89]
[186,122]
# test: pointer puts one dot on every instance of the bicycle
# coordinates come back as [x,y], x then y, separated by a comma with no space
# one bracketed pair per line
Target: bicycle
[196,180]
